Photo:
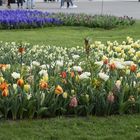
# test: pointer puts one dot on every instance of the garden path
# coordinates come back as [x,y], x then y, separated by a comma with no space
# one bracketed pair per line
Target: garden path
[112,7]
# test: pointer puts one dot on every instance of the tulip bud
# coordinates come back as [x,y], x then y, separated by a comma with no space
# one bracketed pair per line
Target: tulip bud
[26,87]
[20,82]
[1,79]
[110,97]
[73,102]
[5,93]
[133,68]
[65,95]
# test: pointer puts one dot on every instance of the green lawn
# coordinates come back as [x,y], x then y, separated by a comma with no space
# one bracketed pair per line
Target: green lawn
[69,36]
[91,128]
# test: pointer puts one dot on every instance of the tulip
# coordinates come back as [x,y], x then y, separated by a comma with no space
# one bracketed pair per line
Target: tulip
[133,68]
[20,82]
[58,90]
[45,78]
[21,50]
[5,93]
[131,99]
[43,85]
[72,74]
[73,102]
[105,61]
[118,84]
[65,95]
[110,97]
[112,66]
[3,86]
[26,87]
[138,75]
[63,74]
[1,79]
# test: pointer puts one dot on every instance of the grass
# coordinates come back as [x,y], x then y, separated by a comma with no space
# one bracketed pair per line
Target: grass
[69,36]
[90,128]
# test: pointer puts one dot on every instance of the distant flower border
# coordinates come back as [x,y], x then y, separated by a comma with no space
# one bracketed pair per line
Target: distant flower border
[17,19]
[26,19]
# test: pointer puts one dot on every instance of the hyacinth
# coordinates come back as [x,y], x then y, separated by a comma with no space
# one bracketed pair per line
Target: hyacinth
[15,19]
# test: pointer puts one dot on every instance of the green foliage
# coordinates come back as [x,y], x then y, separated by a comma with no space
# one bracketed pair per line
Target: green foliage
[74,128]
[75,81]
[96,21]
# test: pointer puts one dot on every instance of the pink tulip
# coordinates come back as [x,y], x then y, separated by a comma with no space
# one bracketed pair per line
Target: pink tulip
[110,97]
[73,102]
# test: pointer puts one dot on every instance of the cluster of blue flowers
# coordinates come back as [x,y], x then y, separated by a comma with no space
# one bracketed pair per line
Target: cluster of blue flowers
[17,19]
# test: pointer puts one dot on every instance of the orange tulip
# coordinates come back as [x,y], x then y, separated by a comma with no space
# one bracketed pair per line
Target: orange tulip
[133,68]
[72,74]
[2,65]
[20,82]
[5,92]
[105,61]
[43,85]
[112,66]
[21,50]
[3,86]
[58,90]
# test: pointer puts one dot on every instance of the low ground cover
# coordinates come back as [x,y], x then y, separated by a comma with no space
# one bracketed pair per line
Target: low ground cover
[69,36]
[97,128]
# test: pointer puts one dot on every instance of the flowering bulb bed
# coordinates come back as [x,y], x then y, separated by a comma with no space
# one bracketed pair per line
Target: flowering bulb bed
[16,19]
[25,19]
[45,81]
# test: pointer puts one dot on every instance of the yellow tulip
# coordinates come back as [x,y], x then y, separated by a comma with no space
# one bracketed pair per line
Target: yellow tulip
[45,78]
[58,90]
[1,79]
[26,87]
[65,95]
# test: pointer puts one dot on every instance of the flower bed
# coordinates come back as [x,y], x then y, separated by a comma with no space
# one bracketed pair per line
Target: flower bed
[46,81]
[25,19]
[93,21]
[17,19]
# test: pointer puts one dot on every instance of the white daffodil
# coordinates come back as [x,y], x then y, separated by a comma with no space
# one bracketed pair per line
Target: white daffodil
[15,75]
[77,68]
[85,75]
[103,76]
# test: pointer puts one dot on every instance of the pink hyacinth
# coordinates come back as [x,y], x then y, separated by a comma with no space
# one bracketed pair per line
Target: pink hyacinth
[73,102]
